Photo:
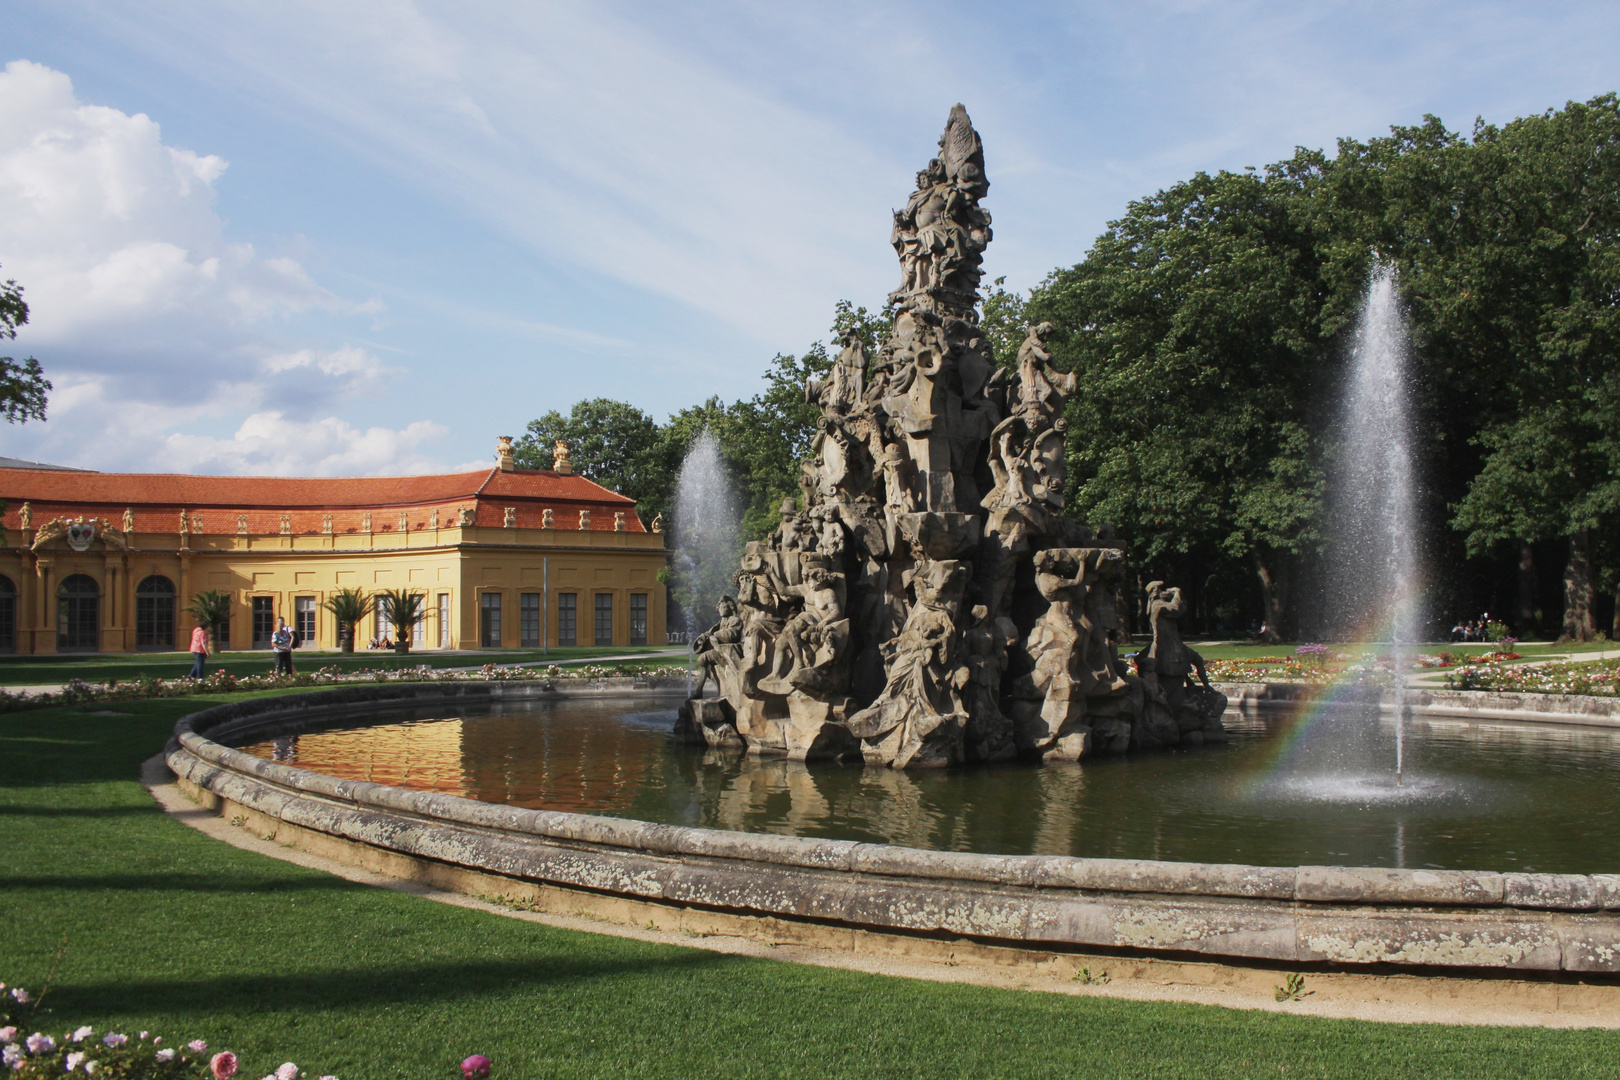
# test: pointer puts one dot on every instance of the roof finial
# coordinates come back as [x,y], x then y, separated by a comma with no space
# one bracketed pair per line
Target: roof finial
[503,453]
[559,458]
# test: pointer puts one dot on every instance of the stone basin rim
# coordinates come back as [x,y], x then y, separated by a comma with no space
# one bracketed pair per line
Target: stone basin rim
[200,759]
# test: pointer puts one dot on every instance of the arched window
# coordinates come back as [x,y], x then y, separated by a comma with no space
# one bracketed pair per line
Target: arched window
[8,615]
[78,614]
[154,613]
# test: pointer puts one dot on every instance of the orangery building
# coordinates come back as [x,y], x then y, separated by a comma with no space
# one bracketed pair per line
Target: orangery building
[504,557]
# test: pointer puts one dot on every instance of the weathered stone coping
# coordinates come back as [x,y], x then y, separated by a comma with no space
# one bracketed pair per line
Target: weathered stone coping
[1310,914]
[1585,710]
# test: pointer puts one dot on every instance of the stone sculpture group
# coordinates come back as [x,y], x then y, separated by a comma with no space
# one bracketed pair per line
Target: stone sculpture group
[925,603]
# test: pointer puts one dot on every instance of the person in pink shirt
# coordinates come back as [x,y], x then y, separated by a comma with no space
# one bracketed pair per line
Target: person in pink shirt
[199,651]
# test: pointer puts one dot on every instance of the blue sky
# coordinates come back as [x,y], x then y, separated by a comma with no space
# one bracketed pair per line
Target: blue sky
[368,237]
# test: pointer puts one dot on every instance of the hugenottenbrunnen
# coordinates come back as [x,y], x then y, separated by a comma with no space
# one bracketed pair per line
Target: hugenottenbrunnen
[925,603]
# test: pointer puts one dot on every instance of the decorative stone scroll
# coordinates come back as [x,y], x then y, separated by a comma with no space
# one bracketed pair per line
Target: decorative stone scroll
[925,602]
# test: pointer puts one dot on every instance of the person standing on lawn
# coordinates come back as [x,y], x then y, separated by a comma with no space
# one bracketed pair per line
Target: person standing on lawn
[282,642]
[199,651]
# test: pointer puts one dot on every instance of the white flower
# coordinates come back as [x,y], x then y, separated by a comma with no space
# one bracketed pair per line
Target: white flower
[20,995]
[80,1034]
[8,1034]
[91,1066]
[165,1054]
[39,1044]
[73,1060]
[288,1071]
[112,1038]
[12,1055]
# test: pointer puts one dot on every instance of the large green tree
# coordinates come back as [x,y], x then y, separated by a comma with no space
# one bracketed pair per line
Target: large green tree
[23,385]
[1203,332]
[1541,278]
[611,442]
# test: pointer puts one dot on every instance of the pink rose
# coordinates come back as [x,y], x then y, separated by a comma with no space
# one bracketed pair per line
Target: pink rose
[475,1067]
[223,1066]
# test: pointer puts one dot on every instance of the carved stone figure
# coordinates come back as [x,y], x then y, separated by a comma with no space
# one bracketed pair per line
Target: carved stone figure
[503,453]
[54,529]
[559,458]
[989,734]
[129,520]
[924,601]
[707,648]
[26,516]
[1176,709]
[657,522]
[843,391]
[919,717]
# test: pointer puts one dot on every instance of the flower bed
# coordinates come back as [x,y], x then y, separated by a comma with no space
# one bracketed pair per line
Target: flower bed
[80,692]
[1597,677]
[112,1056]
[1262,669]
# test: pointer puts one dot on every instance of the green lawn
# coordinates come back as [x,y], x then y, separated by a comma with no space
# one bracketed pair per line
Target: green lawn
[38,670]
[169,931]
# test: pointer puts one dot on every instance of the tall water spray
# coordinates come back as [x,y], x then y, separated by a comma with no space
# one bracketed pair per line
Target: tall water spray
[706,534]
[1375,497]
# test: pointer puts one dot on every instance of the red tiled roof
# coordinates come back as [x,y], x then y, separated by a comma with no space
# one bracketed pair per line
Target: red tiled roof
[158,498]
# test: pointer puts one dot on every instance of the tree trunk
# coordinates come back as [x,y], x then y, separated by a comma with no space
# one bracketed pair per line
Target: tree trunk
[1578,624]
[346,639]
[1527,589]
[1273,593]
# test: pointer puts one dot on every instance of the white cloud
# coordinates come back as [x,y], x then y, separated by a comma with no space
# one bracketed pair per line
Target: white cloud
[149,318]
[270,444]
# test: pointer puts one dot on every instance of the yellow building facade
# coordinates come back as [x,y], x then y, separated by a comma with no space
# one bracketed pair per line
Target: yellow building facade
[504,558]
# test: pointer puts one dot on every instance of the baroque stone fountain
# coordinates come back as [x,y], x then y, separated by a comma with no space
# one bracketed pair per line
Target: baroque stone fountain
[925,603]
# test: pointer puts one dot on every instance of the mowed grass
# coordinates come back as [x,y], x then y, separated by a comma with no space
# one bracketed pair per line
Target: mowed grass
[40,670]
[169,931]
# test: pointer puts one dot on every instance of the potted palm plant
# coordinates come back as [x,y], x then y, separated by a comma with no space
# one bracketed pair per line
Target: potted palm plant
[211,609]
[348,607]
[404,610]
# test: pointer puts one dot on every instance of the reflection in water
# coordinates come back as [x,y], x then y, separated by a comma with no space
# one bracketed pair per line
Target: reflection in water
[1490,795]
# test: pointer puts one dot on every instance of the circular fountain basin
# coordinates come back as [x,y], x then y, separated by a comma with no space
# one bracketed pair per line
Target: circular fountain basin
[1294,842]
[1296,785]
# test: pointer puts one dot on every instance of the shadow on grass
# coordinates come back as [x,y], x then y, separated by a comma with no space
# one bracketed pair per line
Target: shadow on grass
[345,989]
[78,812]
[182,882]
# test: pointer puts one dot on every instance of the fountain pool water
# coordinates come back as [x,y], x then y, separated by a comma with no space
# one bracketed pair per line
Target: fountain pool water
[1375,591]
[1497,795]
[706,533]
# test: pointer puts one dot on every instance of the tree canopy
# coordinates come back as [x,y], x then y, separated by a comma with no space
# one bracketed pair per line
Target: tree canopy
[23,385]
[1210,327]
